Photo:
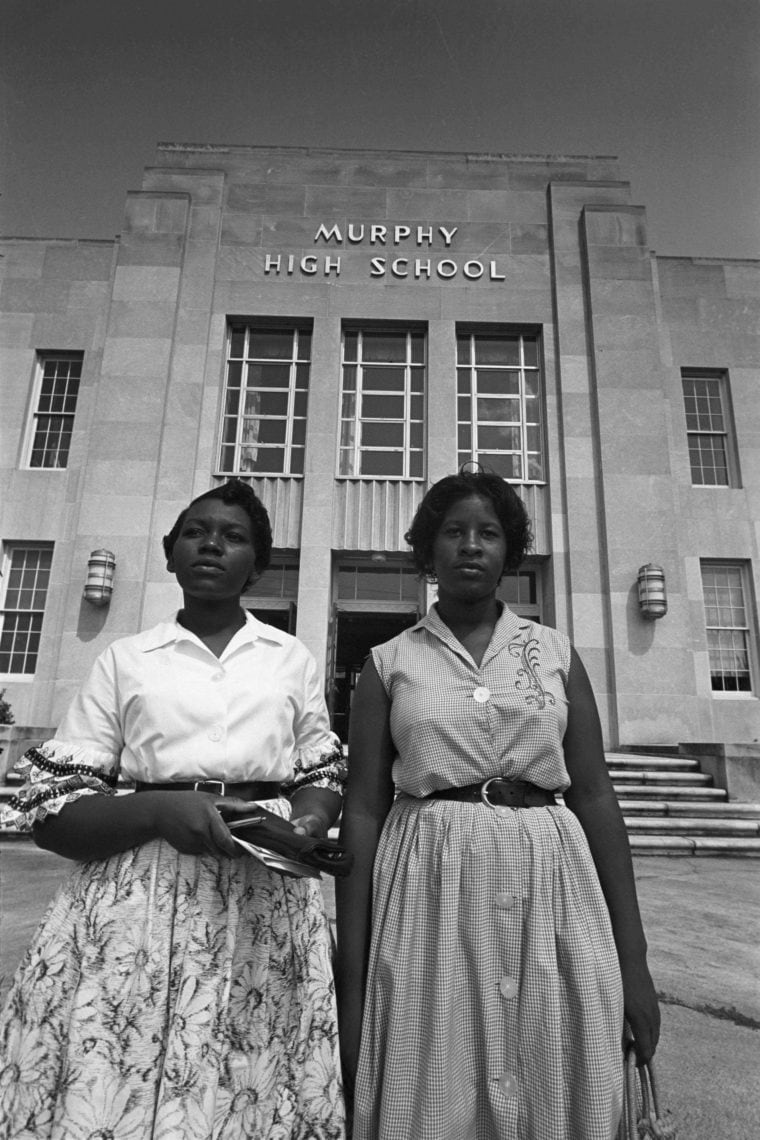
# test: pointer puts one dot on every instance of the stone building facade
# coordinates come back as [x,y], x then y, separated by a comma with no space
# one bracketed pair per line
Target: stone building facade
[345,327]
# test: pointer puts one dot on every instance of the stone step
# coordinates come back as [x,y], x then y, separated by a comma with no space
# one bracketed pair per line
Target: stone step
[647,776]
[695,845]
[690,808]
[690,825]
[662,763]
[667,792]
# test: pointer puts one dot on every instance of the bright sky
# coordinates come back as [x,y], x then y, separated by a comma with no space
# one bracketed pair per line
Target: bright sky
[672,87]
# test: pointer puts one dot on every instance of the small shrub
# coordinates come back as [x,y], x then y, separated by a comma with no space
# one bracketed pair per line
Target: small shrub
[6,712]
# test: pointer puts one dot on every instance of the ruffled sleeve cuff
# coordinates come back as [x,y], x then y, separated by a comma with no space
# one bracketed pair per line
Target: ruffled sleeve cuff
[56,774]
[321,767]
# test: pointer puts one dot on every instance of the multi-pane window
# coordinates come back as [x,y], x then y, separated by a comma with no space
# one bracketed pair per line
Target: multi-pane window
[265,398]
[56,391]
[383,404]
[499,404]
[370,581]
[520,590]
[272,598]
[280,580]
[709,429]
[728,626]
[26,574]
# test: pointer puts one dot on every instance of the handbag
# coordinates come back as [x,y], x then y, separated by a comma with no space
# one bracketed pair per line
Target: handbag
[264,829]
[642,1118]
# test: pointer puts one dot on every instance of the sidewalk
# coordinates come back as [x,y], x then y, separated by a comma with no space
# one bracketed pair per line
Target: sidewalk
[702,918]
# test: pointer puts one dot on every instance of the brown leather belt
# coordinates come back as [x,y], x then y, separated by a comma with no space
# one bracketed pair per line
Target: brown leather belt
[252,790]
[498,792]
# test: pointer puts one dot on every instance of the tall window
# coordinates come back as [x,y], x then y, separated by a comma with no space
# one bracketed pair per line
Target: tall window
[709,429]
[55,403]
[264,417]
[728,626]
[499,404]
[26,574]
[383,404]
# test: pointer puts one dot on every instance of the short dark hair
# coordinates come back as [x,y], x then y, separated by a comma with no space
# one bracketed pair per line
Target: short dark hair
[508,508]
[237,492]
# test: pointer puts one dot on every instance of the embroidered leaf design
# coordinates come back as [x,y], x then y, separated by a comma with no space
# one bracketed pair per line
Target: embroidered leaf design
[528,682]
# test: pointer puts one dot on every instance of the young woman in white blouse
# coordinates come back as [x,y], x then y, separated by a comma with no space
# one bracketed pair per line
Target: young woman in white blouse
[174,988]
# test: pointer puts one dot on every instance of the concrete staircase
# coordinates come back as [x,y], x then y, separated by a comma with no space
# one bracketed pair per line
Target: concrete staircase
[671,808]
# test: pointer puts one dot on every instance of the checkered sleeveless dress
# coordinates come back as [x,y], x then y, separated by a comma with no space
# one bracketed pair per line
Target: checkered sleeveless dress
[494,1003]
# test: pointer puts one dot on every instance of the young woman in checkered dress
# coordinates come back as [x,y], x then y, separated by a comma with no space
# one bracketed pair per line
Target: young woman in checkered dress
[489,938]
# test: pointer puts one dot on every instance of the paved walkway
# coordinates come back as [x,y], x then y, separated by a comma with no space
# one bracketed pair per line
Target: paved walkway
[702,917]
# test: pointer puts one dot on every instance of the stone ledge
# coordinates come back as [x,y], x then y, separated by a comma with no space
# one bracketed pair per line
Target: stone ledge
[733,767]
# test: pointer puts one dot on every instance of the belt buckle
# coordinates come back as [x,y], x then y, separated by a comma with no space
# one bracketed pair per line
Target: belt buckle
[203,786]
[500,809]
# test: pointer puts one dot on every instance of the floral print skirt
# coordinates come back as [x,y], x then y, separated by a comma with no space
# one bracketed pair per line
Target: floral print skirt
[170,996]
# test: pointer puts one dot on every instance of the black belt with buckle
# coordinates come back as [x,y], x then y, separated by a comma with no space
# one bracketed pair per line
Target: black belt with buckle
[252,790]
[498,792]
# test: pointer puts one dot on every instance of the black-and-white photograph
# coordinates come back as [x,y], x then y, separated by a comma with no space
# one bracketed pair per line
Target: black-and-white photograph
[379,570]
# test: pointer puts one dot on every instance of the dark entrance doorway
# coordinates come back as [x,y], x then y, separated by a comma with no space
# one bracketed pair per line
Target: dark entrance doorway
[356,634]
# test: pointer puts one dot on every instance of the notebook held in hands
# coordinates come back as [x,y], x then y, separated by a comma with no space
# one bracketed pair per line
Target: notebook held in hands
[293,853]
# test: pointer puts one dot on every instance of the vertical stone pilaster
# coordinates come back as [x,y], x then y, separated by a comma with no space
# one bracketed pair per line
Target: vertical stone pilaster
[441,401]
[654,669]
[195,375]
[118,484]
[315,574]
[575,473]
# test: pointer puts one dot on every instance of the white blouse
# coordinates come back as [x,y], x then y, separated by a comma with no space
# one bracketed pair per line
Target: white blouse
[159,706]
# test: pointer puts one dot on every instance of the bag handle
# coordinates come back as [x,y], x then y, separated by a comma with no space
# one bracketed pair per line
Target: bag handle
[641,1085]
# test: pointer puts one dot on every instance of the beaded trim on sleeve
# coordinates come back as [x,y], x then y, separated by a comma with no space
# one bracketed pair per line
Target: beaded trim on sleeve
[65,782]
[328,770]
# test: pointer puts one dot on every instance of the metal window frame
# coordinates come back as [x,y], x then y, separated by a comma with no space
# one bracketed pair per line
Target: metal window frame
[356,565]
[720,377]
[521,370]
[270,587]
[36,415]
[356,450]
[10,549]
[296,328]
[530,572]
[748,629]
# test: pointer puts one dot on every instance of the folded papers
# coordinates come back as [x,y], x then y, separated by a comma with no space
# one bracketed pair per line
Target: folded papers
[274,841]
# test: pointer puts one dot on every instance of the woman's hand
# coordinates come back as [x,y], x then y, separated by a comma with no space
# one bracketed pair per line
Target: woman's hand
[313,811]
[310,823]
[641,1010]
[192,823]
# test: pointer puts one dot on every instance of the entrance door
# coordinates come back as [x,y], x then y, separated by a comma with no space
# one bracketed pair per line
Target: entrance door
[357,633]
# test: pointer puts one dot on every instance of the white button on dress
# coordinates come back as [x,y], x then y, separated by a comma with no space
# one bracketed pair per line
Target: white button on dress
[508,1084]
[481,695]
[505,901]
[508,987]
[216,732]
